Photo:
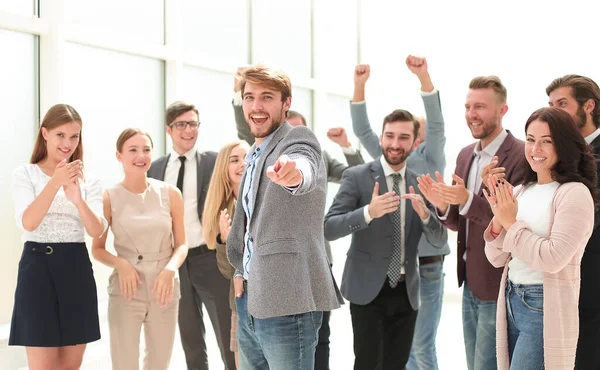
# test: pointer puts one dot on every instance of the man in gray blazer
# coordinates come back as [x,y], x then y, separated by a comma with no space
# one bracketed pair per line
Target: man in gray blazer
[201,283]
[283,281]
[334,170]
[381,278]
[428,158]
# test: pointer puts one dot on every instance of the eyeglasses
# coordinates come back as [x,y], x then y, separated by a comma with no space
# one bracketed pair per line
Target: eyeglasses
[181,125]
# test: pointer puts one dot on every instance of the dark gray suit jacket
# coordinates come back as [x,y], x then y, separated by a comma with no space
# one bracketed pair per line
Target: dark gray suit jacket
[370,251]
[206,164]
[289,271]
[333,167]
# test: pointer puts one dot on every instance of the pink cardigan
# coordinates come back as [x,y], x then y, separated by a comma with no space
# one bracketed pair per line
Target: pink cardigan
[559,256]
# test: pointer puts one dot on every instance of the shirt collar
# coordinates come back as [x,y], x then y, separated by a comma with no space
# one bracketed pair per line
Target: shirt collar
[189,155]
[256,151]
[492,147]
[591,137]
[388,171]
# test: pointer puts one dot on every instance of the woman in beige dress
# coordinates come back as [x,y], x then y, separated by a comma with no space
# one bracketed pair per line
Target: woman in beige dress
[146,219]
[218,210]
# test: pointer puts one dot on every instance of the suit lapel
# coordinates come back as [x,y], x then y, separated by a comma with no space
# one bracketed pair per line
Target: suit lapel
[408,215]
[162,167]
[279,135]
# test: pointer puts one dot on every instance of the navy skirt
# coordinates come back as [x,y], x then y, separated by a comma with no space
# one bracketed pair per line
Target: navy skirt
[56,303]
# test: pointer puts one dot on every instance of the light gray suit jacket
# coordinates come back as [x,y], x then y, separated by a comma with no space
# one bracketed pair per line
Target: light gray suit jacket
[289,271]
[333,167]
[427,158]
[370,251]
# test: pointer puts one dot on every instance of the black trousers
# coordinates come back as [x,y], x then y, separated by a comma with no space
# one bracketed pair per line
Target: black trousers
[588,355]
[203,285]
[383,330]
[322,349]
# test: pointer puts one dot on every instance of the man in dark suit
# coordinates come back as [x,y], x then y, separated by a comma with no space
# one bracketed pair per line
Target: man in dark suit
[580,97]
[381,278]
[201,283]
[463,208]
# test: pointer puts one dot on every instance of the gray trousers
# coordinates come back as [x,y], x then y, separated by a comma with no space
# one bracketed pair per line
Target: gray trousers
[203,284]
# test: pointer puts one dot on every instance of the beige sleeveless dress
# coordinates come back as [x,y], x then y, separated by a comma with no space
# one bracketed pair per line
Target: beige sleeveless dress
[142,229]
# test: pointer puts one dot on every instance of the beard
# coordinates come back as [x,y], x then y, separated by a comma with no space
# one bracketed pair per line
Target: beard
[487,128]
[395,161]
[266,130]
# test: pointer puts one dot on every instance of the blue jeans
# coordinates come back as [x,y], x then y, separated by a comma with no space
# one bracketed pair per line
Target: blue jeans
[479,331]
[283,342]
[525,317]
[423,354]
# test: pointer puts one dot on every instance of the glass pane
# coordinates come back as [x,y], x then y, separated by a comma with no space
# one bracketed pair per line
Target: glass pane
[21,7]
[281,35]
[201,19]
[18,104]
[336,64]
[135,20]
[302,103]
[212,93]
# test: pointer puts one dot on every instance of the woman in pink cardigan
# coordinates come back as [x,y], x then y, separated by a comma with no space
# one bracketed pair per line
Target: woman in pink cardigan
[538,234]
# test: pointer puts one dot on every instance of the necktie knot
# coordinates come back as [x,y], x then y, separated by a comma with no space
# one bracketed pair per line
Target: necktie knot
[396,177]
[182,158]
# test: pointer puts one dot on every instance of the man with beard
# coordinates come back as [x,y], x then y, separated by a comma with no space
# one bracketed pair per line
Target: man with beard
[462,207]
[381,277]
[427,158]
[580,97]
[283,282]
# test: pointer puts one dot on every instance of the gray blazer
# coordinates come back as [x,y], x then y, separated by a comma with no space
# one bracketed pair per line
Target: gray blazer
[428,158]
[206,164]
[333,167]
[371,247]
[289,271]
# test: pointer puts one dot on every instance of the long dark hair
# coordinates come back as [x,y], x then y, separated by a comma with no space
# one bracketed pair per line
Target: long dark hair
[575,161]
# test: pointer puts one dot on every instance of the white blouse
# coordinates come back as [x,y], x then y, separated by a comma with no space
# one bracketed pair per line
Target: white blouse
[62,223]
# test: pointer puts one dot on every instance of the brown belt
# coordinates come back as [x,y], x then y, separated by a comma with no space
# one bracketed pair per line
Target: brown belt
[430,259]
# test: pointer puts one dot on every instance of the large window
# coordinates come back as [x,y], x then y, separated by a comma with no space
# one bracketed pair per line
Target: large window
[18,104]
[140,21]
[281,35]
[217,31]
[20,7]
[211,93]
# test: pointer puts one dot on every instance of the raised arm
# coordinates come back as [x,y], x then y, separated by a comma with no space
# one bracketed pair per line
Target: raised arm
[434,128]
[243,130]
[353,157]
[358,112]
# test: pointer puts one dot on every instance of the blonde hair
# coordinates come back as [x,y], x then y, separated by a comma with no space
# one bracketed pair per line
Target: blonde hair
[219,196]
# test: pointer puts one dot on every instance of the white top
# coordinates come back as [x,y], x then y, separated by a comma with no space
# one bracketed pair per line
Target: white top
[534,209]
[591,137]
[193,226]
[62,223]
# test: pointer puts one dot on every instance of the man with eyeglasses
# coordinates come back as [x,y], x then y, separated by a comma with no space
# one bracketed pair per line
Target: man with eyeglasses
[200,279]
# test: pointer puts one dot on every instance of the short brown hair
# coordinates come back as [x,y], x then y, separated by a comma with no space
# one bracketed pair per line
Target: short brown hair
[127,134]
[490,82]
[293,113]
[271,78]
[56,116]
[582,90]
[177,109]
[401,115]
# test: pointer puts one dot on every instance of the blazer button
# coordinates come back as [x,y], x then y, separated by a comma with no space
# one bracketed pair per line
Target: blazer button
[140,257]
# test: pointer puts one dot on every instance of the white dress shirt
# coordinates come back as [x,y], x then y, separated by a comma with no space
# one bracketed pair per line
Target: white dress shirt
[591,137]
[62,223]
[193,226]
